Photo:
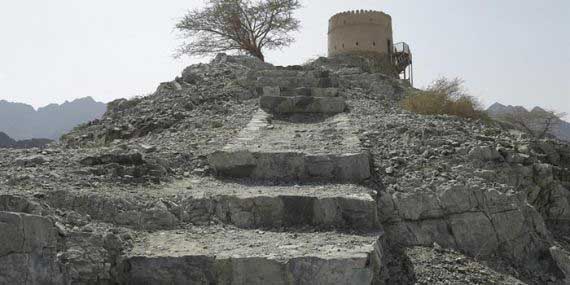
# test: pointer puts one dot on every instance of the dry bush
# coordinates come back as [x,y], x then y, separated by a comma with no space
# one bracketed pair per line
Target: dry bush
[444,96]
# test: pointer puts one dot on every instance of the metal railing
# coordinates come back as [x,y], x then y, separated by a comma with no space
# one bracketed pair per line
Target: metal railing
[402,48]
[402,56]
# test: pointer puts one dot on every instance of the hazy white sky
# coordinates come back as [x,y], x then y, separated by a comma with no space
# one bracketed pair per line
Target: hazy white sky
[511,51]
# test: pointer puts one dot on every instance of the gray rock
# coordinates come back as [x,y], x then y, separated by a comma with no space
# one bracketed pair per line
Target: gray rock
[131,158]
[477,221]
[189,76]
[485,153]
[148,148]
[302,104]
[30,161]
[28,247]
[562,259]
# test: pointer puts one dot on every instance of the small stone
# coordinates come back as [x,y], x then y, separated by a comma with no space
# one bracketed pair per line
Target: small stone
[87,229]
[60,229]
[437,247]
[148,148]
[199,171]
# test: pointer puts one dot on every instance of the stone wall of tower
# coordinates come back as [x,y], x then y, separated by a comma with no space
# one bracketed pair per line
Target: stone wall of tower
[360,31]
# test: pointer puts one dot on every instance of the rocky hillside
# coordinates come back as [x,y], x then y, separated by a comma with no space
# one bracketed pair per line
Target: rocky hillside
[21,121]
[322,180]
[560,130]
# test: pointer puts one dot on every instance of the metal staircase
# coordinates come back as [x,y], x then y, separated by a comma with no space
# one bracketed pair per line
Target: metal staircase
[402,59]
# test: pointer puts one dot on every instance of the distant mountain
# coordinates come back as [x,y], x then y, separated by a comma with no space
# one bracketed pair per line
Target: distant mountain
[21,121]
[561,130]
[498,109]
[8,142]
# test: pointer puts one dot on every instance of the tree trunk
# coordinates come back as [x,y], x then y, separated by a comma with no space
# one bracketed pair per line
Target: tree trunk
[257,53]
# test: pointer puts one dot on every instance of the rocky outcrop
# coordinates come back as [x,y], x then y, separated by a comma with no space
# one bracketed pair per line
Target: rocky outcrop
[130,164]
[33,160]
[463,186]
[28,250]
[481,222]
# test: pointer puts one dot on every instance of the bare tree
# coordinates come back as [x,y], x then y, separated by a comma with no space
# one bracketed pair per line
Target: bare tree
[538,123]
[248,26]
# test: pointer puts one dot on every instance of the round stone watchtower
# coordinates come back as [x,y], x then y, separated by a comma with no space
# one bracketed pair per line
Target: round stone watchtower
[360,31]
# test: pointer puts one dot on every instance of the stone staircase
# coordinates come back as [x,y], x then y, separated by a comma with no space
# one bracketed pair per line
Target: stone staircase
[285,207]
[279,212]
[288,148]
[298,134]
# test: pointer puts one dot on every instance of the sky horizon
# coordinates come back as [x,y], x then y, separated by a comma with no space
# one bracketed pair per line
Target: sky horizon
[511,52]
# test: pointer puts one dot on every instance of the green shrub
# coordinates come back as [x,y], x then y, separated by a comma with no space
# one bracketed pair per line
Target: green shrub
[444,96]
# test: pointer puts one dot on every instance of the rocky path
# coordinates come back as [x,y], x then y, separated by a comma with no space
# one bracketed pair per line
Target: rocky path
[297,148]
[300,135]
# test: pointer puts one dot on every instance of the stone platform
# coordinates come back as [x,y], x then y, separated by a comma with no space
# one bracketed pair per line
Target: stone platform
[300,91]
[295,147]
[302,104]
[226,255]
[246,205]
[292,78]
[282,100]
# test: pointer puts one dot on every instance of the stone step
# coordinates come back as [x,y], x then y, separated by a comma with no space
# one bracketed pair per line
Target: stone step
[292,78]
[339,206]
[300,91]
[297,147]
[216,255]
[302,104]
[207,200]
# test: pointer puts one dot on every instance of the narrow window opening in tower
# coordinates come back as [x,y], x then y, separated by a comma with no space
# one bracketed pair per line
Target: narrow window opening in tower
[374,43]
[356,43]
[390,46]
[343,45]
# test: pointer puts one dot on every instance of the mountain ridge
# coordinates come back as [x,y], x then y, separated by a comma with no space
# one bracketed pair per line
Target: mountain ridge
[8,142]
[560,131]
[21,121]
